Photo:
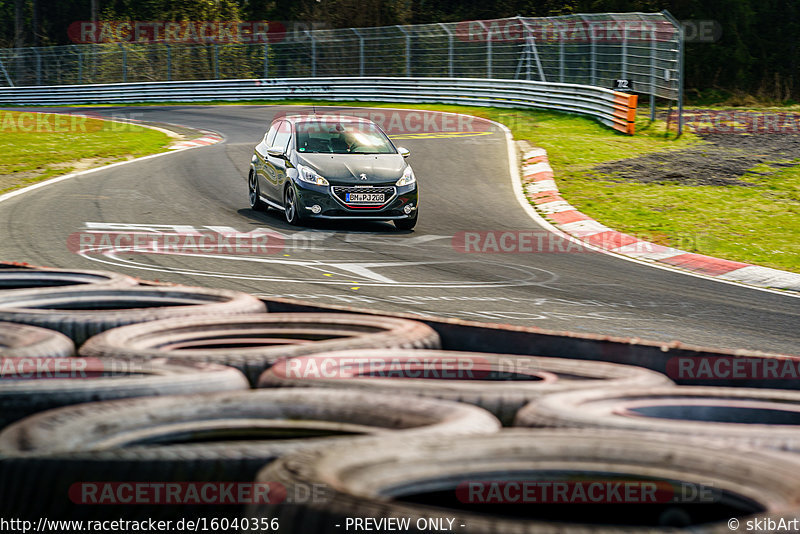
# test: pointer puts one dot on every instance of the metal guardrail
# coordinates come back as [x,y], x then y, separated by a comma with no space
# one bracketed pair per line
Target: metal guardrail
[612,108]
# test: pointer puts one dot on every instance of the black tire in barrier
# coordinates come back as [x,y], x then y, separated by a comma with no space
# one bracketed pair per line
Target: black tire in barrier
[534,482]
[500,383]
[252,343]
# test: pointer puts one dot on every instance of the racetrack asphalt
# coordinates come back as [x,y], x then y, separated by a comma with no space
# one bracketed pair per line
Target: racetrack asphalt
[465,187]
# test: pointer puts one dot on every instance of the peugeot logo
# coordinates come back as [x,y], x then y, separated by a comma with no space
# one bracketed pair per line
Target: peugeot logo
[363,176]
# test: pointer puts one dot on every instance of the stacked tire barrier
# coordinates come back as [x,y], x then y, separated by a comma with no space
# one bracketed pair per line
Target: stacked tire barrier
[303,419]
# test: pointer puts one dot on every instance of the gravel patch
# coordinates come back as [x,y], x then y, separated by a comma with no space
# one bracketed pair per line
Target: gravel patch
[722,161]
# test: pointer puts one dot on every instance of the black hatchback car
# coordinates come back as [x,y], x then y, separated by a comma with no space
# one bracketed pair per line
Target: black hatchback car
[333,167]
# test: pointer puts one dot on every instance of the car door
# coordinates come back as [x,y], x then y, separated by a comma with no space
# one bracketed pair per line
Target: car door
[262,157]
[275,166]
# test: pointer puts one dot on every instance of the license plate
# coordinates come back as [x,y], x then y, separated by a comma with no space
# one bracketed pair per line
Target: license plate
[364,197]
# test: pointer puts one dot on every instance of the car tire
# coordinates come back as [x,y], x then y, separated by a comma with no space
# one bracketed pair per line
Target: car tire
[257,341]
[422,480]
[254,193]
[210,438]
[766,418]
[25,341]
[85,312]
[407,224]
[80,380]
[499,383]
[291,206]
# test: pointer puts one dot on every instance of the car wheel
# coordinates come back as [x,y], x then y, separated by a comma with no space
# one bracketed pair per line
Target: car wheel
[291,206]
[254,193]
[406,224]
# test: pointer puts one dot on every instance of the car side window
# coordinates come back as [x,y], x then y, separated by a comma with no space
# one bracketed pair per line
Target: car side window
[269,138]
[283,136]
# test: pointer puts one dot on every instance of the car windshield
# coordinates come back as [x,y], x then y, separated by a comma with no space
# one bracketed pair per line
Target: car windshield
[341,137]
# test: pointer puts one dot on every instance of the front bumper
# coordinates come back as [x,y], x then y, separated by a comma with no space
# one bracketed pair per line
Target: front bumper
[331,207]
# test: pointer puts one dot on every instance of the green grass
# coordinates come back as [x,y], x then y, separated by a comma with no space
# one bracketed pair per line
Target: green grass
[52,146]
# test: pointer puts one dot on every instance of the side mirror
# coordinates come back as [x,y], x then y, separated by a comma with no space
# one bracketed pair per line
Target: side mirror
[275,152]
[403,151]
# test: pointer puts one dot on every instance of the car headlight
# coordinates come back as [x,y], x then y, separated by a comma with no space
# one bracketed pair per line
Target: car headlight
[408,177]
[310,175]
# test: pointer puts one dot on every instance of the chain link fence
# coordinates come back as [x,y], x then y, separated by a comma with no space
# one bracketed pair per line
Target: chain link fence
[644,49]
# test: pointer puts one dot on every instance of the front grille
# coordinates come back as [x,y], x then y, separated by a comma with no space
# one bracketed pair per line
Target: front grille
[340,191]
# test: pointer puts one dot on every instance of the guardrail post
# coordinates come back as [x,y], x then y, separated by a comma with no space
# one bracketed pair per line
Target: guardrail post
[623,60]
[679,29]
[38,66]
[449,48]
[489,55]
[488,49]
[169,62]
[561,58]
[266,60]
[653,88]
[80,66]
[124,63]
[216,61]
[592,56]
[680,79]
[408,49]
[530,42]
[5,73]
[360,52]
[313,54]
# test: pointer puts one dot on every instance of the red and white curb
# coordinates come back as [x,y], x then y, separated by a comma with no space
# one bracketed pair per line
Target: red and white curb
[208,138]
[541,190]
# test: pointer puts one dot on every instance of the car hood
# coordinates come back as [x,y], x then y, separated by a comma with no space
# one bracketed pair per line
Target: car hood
[348,168]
